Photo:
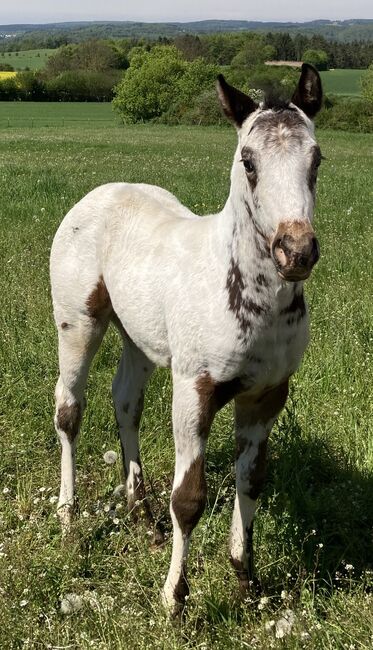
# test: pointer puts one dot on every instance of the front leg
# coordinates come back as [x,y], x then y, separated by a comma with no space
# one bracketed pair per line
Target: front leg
[254,418]
[192,413]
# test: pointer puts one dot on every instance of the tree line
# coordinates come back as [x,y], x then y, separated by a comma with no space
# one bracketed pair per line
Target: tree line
[221,48]
[175,83]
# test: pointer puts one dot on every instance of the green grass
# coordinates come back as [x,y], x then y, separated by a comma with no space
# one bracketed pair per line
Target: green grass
[342,82]
[32,59]
[320,474]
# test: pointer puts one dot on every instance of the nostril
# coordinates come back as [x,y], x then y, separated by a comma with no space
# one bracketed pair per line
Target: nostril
[302,260]
[278,253]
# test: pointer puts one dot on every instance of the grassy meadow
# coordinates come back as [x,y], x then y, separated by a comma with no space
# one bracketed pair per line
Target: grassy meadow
[342,82]
[314,528]
[31,59]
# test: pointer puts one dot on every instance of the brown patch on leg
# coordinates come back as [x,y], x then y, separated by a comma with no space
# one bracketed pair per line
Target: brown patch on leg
[138,410]
[98,302]
[68,420]
[189,498]
[213,396]
[257,475]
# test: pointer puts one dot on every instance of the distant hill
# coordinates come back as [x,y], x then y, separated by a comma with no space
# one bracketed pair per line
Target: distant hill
[343,30]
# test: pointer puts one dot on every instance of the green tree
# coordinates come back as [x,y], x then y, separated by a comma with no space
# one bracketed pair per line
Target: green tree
[254,52]
[150,85]
[367,84]
[318,58]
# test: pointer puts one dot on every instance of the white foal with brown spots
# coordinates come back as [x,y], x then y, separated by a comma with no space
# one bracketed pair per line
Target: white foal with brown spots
[219,299]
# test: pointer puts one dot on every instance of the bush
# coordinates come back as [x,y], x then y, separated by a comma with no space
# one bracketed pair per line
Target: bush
[367,84]
[8,89]
[317,58]
[354,115]
[82,85]
[205,110]
[149,86]
[160,85]
[6,67]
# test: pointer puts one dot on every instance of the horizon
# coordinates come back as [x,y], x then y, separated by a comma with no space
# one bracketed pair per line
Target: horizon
[29,12]
[179,21]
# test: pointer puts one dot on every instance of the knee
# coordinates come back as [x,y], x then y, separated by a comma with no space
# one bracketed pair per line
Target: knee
[189,498]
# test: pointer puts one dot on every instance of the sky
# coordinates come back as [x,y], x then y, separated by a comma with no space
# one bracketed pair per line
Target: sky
[43,11]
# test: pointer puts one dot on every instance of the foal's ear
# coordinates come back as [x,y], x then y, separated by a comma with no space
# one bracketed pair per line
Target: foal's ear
[236,105]
[308,93]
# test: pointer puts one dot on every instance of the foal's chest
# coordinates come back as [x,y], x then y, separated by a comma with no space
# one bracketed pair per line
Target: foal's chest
[275,350]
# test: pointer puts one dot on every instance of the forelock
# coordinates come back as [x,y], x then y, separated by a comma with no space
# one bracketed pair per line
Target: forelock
[279,124]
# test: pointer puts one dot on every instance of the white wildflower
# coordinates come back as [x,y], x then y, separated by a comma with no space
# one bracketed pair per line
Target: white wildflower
[23,603]
[269,625]
[349,567]
[85,514]
[71,603]
[110,457]
[53,499]
[263,602]
[6,490]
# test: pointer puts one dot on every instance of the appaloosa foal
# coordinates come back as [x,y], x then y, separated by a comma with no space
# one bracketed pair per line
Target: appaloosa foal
[219,299]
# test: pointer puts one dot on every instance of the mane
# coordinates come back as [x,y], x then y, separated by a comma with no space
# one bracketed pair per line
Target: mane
[275,103]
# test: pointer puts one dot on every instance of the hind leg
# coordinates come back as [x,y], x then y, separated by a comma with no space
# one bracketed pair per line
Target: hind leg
[79,339]
[128,394]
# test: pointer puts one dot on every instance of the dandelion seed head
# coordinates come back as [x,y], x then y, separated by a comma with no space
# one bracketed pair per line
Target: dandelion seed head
[110,457]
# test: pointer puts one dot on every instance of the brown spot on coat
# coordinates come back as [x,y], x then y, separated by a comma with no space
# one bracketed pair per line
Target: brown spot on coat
[262,280]
[242,307]
[189,498]
[68,420]
[64,326]
[98,302]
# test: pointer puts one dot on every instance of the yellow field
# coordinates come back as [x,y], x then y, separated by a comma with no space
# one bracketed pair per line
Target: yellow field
[7,75]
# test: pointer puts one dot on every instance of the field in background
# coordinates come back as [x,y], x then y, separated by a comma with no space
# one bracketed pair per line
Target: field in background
[5,74]
[33,59]
[56,114]
[313,535]
[342,82]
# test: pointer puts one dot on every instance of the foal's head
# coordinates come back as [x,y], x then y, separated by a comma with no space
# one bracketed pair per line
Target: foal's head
[276,164]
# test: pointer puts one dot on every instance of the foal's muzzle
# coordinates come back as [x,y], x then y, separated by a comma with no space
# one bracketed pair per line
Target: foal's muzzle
[295,250]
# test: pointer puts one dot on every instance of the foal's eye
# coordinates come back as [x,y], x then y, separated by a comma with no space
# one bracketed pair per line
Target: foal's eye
[249,166]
